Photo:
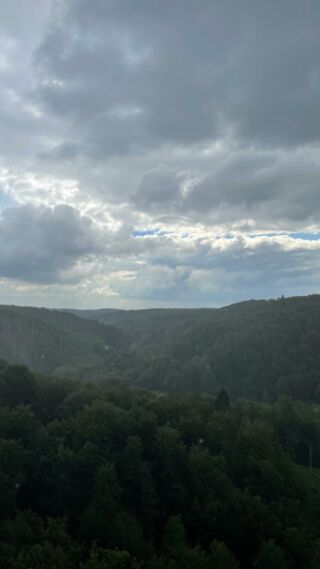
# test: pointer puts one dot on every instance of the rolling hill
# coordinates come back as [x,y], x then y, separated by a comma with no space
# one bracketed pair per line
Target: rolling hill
[54,342]
[256,349]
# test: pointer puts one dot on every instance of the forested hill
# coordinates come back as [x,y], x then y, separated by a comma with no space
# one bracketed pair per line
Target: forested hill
[50,341]
[150,326]
[256,349]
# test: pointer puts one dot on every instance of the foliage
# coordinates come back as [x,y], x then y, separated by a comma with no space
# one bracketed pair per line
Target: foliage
[51,341]
[256,350]
[100,475]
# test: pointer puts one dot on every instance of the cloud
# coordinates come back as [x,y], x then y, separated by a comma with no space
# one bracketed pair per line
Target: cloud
[184,78]
[183,143]
[274,188]
[50,247]
[218,270]
[159,190]
[43,245]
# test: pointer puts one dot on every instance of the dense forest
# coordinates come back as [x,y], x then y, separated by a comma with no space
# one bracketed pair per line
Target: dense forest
[55,342]
[101,475]
[255,350]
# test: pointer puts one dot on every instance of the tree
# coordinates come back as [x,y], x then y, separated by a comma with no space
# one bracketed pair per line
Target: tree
[17,386]
[220,557]
[109,559]
[315,556]
[174,535]
[8,491]
[270,555]
[222,400]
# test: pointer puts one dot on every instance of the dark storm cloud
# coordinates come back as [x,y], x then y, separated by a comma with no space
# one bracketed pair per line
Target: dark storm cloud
[159,190]
[181,72]
[145,78]
[269,186]
[63,152]
[37,244]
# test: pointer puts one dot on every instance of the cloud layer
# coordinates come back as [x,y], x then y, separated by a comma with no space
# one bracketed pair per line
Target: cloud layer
[40,244]
[159,152]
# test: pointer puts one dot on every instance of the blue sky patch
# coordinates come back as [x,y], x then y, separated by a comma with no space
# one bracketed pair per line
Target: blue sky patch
[6,200]
[305,236]
[147,232]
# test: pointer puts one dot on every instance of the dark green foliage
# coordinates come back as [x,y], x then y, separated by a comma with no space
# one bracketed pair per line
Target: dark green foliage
[257,350]
[270,555]
[55,342]
[220,557]
[101,476]
[17,386]
[109,559]
[222,400]
[254,349]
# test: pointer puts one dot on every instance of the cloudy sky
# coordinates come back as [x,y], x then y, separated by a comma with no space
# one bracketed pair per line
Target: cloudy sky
[158,153]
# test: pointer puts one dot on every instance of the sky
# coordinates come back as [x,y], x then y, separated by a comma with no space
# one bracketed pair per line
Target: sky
[158,153]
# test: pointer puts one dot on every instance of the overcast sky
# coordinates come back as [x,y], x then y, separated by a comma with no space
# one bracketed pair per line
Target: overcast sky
[158,152]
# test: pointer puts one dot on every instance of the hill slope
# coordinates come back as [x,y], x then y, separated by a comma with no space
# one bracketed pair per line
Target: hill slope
[256,349]
[51,341]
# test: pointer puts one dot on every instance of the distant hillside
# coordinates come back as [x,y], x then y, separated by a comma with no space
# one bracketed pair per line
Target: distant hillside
[50,341]
[256,349]
[148,326]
